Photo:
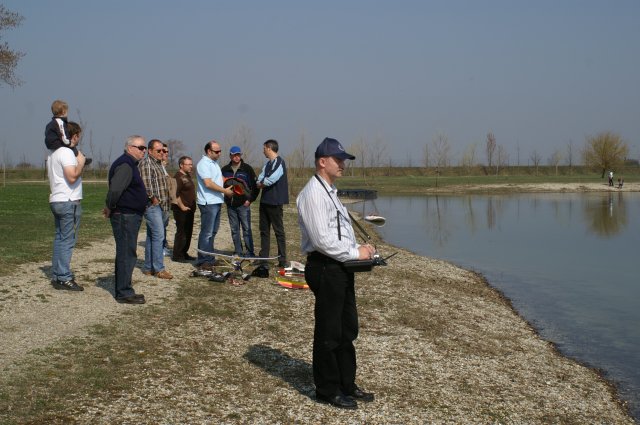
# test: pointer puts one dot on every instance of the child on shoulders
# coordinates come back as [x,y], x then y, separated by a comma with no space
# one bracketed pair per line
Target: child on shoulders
[55,133]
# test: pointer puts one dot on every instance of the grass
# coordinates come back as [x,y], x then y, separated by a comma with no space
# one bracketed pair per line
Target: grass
[27,222]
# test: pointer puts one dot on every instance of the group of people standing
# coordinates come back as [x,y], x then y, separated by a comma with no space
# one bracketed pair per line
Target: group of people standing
[140,187]
[180,194]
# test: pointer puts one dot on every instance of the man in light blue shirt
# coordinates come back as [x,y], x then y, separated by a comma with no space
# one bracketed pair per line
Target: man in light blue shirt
[210,197]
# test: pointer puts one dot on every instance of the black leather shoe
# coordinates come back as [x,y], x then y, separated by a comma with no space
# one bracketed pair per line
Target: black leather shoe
[133,299]
[343,402]
[189,258]
[360,395]
[182,259]
[69,285]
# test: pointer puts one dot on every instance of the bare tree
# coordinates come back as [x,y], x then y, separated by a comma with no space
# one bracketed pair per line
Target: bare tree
[6,162]
[377,153]
[85,129]
[409,160]
[296,162]
[569,156]
[441,148]
[9,58]
[490,148]
[6,156]
[535,160]
[426,157]
[359,150]
[502,158]
[605,151]
[554,159]
[177,149]
[469,156]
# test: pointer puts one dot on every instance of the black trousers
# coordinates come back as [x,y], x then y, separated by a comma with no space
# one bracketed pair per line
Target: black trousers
[336,325]
[125,232]
[271,216]
[184,231]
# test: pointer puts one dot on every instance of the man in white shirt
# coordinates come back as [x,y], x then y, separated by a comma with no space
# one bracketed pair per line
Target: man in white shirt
[328,240]
[65,180]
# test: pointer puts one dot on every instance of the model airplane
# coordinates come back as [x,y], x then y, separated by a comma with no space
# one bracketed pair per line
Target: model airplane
[231,267]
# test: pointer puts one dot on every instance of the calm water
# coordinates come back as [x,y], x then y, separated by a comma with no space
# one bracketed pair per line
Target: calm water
[568,262]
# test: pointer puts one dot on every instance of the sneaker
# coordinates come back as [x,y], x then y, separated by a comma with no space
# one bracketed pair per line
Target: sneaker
[69,285]
[164,275]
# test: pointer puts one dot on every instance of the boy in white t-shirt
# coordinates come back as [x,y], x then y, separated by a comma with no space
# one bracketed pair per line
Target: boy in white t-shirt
[65,181]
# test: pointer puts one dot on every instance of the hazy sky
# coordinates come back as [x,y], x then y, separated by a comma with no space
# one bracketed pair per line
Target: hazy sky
[538,74]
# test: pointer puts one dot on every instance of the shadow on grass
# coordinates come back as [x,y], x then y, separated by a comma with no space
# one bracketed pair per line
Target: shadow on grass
[46,271]
[107,283]
[294,372]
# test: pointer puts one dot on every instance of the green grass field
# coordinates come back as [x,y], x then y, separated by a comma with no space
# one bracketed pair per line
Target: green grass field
[27,222]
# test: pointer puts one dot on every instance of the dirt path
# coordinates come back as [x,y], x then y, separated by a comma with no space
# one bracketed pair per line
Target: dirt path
[33,314]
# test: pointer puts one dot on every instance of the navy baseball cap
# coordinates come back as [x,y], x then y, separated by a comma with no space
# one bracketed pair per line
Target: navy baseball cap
[234,150]
[331,147]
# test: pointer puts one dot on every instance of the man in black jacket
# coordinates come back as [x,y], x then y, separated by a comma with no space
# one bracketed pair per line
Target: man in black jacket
[275,193]
[242,177]
[125,205]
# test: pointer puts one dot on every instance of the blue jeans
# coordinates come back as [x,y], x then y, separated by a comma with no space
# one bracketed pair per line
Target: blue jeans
[154,245]
[165,222]
[67,220]
[209,224]
[125,232]
[241,217]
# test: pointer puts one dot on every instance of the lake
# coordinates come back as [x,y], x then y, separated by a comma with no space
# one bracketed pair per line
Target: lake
[568,263]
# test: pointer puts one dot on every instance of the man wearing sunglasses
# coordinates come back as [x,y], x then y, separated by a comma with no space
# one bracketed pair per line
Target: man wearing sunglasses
[210,196]
[157,213]
[125,206]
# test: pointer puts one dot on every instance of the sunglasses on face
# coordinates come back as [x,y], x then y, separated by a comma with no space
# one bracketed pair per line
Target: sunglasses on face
[141,148]
[215,151]
[165,151]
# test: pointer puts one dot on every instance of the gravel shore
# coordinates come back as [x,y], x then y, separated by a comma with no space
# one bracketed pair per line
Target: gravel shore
[437,345]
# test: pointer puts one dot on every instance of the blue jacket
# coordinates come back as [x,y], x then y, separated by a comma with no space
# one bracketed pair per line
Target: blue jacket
[276,185]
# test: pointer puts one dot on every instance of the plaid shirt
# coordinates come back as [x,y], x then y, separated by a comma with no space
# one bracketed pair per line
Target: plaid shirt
[153,176]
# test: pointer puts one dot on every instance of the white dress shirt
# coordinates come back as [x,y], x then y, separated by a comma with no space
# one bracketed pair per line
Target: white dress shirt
[319,210]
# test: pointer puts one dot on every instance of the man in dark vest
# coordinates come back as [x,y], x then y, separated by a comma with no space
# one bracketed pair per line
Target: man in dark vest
[275,193]
[126,202]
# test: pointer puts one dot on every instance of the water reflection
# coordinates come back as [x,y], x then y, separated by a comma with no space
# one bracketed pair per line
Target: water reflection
[603,216]
[568,263]
[606,217]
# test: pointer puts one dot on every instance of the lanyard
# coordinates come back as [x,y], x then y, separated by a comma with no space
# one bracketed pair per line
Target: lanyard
[334,204]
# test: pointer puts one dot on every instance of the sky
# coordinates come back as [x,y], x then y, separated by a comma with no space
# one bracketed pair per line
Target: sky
[393,75]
